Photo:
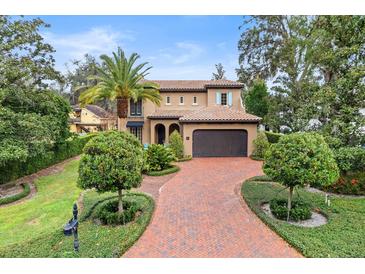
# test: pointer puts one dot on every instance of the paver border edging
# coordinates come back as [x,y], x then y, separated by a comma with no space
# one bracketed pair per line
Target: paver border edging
[271,227]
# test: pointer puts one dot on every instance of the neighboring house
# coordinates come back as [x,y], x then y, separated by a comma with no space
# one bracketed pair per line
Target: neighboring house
[91,118]
[209,115]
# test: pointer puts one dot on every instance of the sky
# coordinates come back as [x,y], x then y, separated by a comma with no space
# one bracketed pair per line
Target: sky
[177,47]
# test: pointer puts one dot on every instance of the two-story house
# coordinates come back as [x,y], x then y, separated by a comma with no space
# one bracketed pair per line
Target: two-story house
[91,118]
[208,114]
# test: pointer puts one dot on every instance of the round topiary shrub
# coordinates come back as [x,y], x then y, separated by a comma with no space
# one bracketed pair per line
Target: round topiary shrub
[112,161]
[299,210]
[108,213]
[299,159]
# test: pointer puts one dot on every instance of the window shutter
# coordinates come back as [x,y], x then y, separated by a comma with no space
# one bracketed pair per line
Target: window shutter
[218,98]
[132,106]
[230,98]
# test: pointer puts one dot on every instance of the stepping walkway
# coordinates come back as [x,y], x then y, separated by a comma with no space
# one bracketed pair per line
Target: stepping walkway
[200,213]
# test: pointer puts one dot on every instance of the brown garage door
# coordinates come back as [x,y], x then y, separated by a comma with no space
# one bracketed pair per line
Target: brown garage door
[215,143]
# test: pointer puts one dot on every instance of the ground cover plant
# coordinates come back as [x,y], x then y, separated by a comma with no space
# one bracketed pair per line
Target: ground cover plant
[36,226]
[342,236]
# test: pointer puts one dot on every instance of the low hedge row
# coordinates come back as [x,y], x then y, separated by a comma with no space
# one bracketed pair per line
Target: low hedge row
[70,148]
[108,214]
[16,197]
[184,159]
[299,211]
[163,172]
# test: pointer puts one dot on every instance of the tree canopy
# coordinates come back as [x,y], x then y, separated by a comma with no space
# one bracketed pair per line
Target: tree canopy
[316,67]
[256,99]
[112,161]
[33,118]
[220,73]
[121,79]
[25,59]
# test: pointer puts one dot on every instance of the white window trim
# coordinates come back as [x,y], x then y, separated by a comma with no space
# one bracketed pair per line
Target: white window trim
[167,102]
[195,104]
[183,103]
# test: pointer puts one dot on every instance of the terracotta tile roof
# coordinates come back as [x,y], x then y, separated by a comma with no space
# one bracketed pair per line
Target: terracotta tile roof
[194,85]
[206,114]
[219,114]
[99,111]
[166,114]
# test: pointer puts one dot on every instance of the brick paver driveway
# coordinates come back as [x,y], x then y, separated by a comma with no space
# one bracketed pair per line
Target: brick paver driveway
[200,214]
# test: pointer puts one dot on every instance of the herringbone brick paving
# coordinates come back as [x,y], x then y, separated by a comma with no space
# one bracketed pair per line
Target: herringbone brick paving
[198,214]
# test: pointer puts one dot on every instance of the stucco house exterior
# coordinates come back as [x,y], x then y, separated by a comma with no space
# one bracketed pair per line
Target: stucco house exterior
[91,118]
[209,114]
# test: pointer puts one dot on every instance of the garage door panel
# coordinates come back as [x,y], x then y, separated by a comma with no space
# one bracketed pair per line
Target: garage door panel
[219,143]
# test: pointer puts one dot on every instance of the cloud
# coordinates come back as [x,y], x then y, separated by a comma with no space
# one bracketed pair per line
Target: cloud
[190,52]
[95,41]
[182,52]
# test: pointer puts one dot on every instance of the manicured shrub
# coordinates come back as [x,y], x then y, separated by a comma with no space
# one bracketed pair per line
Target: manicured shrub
[273,137]
[70,148]
[185,158]
[176,144]
[158,157]
[350,159]
[352,183]
[16,197]
[108,213]
[299,159]
[112,161]
[262,178]
[163,172]
[261,145]
[299,210]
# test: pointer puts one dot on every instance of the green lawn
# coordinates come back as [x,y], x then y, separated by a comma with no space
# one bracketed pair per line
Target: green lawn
[343,236]
[34,228]
[46,211]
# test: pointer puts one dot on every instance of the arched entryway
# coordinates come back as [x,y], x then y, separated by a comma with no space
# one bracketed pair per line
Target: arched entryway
[160,134]
[174,127]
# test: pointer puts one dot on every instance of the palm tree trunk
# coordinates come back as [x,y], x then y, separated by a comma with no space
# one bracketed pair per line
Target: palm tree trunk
[289,202]
[122,107]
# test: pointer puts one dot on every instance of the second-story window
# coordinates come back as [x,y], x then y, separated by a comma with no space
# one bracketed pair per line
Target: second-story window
[223,99]
[181,102]
[168,100]
[195,100]
[136,108]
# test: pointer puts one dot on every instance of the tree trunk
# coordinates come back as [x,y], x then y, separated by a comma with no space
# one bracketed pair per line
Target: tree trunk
[120,203]
[289,201]
[122,107]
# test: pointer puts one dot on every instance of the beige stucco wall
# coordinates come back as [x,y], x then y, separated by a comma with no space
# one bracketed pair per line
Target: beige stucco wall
[189,128]
[188,100]
[236,97]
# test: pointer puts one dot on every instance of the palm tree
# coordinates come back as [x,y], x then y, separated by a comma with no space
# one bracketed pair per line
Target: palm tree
[121,80]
